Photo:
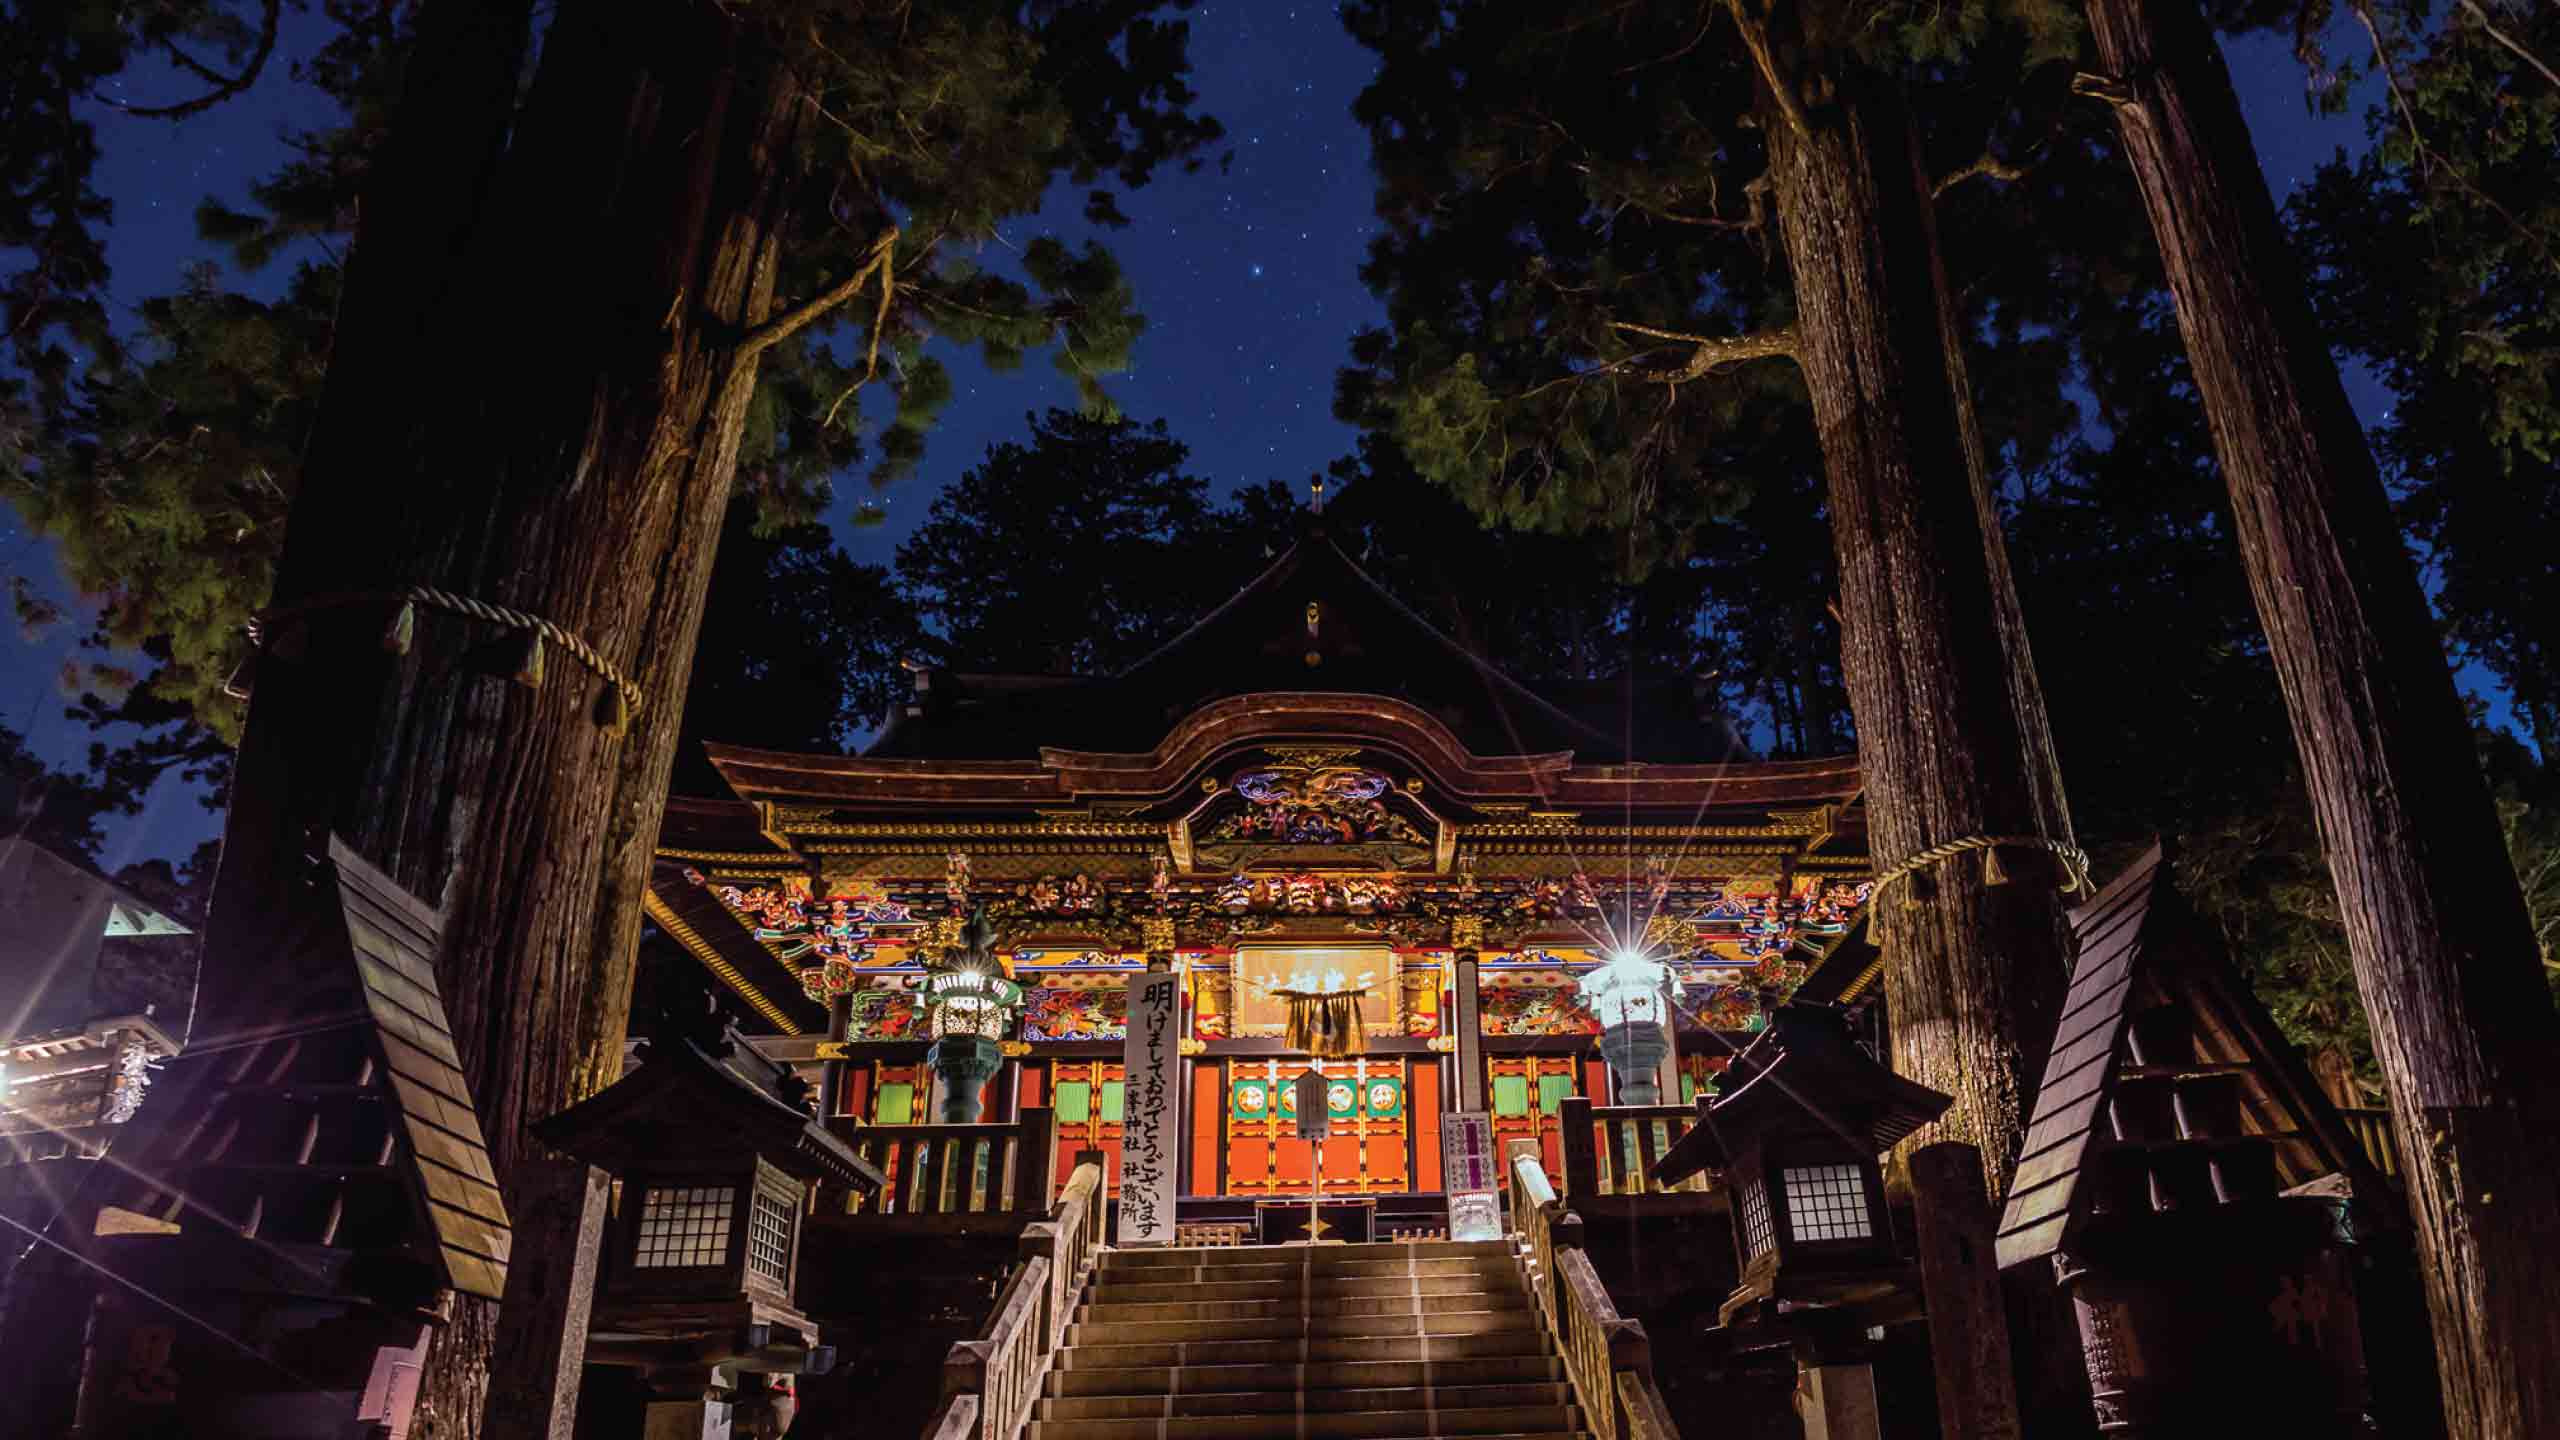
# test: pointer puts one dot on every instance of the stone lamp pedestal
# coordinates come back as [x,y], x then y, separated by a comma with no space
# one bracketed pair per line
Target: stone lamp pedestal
[1634,1050]
[964,1064]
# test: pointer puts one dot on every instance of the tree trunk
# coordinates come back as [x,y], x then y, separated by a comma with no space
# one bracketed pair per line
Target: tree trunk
[1936,661]
[535,400]
[2436,928]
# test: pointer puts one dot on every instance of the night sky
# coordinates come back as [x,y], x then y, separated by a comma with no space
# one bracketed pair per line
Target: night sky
[1247,272]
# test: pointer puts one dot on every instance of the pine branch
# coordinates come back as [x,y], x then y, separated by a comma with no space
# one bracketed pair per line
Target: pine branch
[791,322]
[1988,165]
[2430,163]
[1713,352]
[2489,28]
[223,88]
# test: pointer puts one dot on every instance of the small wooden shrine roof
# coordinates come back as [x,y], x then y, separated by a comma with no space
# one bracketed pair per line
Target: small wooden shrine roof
[2142,949]
[56,915]
[1806,1064]
[703,1109]
[336,1128]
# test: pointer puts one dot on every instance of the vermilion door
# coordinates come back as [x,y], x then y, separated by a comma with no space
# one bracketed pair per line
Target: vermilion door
[1371,1114]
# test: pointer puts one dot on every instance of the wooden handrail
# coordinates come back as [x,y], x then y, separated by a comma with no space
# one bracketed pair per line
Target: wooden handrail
[1001,1372]
[1611,1149]
[956,1420]
[1606,1355]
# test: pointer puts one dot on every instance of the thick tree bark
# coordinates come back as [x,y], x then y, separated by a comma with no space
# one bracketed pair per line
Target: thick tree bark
[535,400]
[2436,928]
[1951,732]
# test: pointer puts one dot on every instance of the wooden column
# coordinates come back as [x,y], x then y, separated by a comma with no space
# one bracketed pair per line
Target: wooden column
[1466,943]
[1960,1281]
[1836,1402]
[686,1405]
[831,1072]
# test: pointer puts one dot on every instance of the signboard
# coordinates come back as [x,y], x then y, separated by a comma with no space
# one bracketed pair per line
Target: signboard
[1150,1150]
[1313,1104]
[1469,1172]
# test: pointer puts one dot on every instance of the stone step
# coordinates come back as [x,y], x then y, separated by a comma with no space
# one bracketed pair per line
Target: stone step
[1115,1291]
[1291,1327]
[1507,1420]
[1526,1341]
[1271,1264]
[1321,1256]
[1107,1309]
[1160,1380]
[1187,1403]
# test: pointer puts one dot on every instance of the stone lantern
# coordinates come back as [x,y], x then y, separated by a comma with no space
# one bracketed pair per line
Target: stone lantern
[1796,1128]
[1631,996]
[970,1003]
[715,1154]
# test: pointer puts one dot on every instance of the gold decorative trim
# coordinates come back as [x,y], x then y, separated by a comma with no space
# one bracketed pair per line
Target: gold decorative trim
[759,858]
[1079,827]
[715,962]
[1549,829]
[1151,845]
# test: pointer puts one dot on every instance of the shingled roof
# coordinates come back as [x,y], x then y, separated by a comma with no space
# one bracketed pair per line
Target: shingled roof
[335,1128]
[2156,1034]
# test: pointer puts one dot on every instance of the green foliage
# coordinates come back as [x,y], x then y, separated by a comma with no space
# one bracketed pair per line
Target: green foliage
[799,650]
[162,463]
[1077,551]
[2436,262]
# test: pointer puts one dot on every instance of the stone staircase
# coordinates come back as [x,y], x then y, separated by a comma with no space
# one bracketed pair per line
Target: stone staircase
[1329,1342]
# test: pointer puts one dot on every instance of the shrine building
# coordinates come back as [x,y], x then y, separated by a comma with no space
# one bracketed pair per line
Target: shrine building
[1313,805]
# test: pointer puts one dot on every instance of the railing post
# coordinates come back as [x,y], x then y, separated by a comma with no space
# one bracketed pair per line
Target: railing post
[1035,1167]
[1581,1158]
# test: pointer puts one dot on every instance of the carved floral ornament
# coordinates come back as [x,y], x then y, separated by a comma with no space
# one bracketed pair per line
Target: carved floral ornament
[1313,796]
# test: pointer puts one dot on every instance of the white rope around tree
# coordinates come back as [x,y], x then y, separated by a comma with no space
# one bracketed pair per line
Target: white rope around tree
[2075,861]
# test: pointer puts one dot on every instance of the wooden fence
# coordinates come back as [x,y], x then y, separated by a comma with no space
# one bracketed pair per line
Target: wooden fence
[957,1170]
[1609,1152]
[991,1383]
[1606,1354]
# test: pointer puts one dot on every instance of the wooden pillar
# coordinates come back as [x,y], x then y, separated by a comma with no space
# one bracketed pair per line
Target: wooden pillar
[1466,943]
[1835,1402]
[686,1405]
[1667,1074]
[1960,1281]
[831,1071]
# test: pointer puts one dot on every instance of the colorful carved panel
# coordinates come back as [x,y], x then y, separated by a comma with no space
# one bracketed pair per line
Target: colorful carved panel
[1533,1010]
[1060,1013]
[883,1015]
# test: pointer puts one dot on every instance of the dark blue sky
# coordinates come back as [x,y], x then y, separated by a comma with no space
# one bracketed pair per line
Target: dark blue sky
[1247,273]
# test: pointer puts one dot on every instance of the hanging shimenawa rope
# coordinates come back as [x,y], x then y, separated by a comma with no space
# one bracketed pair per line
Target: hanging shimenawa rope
[614,708]
[2075,861]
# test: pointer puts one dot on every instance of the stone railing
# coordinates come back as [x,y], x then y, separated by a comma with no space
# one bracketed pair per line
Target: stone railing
[1609,1151]
[956,1170]
[1606,1354]
[990,1384]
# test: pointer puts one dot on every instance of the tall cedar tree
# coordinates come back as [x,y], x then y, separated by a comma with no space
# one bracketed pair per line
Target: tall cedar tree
[2463,1023]
[1610,153]
[545,356]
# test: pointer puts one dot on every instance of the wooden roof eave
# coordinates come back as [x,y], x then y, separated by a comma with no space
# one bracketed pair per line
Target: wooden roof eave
[1060,775]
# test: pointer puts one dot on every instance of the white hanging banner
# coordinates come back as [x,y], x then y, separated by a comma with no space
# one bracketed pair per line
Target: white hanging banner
[1150,1148]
